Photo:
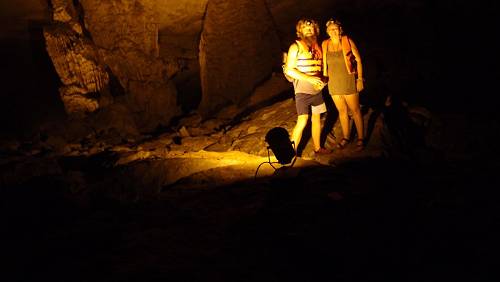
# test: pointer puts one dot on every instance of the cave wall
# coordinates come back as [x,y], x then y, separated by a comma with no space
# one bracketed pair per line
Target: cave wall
[29,81]
[127,36]
[155,48]
[238,48]
[163,57]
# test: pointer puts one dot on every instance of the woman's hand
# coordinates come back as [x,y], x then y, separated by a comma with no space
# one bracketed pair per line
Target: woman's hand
[359,84]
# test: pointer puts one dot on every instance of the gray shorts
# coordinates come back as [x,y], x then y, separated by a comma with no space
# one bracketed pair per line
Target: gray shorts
[307,103]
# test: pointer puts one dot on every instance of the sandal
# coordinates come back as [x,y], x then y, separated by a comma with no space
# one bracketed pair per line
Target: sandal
[341,145]
[360,145]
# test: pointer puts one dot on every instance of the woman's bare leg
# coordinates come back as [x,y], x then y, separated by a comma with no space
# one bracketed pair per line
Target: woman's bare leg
[316,130]
[341,105]
[298,129]
[353,104]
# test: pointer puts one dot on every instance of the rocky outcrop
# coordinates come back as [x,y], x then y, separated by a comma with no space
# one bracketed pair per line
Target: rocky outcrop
[75,59]
[126,33]
[237,49]
[154,49]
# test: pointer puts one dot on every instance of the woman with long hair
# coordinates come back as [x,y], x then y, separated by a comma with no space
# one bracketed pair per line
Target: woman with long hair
[342,65]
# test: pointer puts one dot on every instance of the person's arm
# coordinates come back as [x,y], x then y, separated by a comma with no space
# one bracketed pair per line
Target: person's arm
[324,50]
[291,67]
[359,67]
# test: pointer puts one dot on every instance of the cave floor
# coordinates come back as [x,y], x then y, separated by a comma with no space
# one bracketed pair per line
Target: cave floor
[364,220]
[351,217]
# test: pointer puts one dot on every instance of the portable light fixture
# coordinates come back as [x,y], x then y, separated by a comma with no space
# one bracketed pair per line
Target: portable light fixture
[280,144]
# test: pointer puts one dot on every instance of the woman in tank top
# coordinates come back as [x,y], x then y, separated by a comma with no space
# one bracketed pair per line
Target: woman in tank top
[342,65]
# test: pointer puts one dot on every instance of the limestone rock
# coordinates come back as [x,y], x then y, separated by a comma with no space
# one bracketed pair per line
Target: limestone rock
[114,122]
[63,11]
[76,62]
[152,103]
[110,22]
[126,33]
[238,46]
[75,101]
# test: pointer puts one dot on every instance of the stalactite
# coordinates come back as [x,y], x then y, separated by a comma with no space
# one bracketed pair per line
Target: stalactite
[76,65]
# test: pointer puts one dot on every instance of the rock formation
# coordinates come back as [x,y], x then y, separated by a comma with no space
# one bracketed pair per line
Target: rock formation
[75,59]
[238,47]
